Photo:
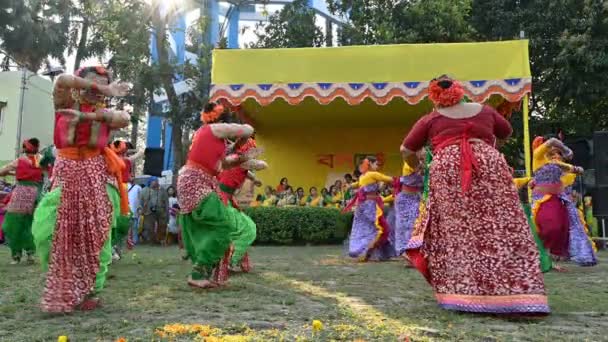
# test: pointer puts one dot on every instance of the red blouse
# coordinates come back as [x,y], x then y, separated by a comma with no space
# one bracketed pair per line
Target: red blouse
[27,171]
[434,127]
[207,150]
[71,133]
[233,178]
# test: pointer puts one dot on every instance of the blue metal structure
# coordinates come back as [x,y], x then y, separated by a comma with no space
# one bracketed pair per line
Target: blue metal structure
[159,130]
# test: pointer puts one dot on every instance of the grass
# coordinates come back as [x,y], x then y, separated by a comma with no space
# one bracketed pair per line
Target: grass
[289,288]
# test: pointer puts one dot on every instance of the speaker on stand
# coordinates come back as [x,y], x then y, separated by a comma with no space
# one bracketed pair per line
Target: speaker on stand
[154,162]
[600,194]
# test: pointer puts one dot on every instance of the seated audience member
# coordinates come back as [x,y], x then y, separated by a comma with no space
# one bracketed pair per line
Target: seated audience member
[288,199]
[284,183]
[300,197]
[326,197]
[271,198]
[259,199]
[334,198]
[313,199]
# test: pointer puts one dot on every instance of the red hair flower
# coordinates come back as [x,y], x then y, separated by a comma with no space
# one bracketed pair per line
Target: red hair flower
[445,92]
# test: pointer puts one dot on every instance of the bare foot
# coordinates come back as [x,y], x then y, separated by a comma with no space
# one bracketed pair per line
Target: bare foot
[202,284]
[14,262]
[559,269]
[89,304]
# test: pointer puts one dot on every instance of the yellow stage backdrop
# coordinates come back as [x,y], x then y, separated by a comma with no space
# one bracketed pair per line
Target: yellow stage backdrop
[317,109]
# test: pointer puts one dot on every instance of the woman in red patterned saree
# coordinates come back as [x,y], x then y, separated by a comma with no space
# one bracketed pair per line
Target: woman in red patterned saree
[473,245]
[73,222]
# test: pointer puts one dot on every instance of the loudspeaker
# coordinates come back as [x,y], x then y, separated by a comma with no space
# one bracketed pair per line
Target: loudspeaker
[154,161]
[600,201]
[582,152]
[600,158]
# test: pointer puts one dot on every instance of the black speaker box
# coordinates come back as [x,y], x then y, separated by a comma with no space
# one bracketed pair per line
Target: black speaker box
[600,158]
[600,201]
[582,153]
[154,162]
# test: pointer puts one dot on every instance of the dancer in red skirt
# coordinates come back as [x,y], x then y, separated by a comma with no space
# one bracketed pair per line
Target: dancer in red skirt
[73,222]
[474,244]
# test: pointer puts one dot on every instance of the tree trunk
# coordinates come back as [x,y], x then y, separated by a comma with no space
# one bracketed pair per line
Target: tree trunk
[166,77]
[134,132]
[178,150]
[82,44]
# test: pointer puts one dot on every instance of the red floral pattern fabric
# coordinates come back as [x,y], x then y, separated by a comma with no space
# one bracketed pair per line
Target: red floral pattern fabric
[193,186]
[479,252]
[83,225]
[23,199]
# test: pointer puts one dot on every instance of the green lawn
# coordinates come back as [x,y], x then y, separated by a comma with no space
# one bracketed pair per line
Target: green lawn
[289,288]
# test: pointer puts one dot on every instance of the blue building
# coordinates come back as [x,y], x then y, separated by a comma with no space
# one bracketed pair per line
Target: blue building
[230,21]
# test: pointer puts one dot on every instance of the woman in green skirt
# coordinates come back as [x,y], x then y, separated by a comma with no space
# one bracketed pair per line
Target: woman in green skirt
[17,225]
[245,232]
[206,227]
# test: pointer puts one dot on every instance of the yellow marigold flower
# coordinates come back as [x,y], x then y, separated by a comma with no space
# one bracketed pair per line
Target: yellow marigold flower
[212,339]
[121,339]
[62,339]
[317,325]
[235,338]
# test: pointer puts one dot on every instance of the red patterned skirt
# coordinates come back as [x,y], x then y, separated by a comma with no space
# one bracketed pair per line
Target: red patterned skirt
[476,249]
[84,219]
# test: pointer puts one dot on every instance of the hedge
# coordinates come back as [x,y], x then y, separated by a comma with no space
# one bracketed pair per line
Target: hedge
[300,225]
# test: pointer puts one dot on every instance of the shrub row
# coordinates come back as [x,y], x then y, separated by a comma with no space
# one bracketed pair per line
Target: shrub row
[300,225]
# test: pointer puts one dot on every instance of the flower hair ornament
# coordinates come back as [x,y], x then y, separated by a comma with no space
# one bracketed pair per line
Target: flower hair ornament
[445,92]
[537,142]
[211,113]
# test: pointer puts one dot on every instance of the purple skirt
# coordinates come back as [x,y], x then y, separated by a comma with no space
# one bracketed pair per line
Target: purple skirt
[364,233]
[407,206]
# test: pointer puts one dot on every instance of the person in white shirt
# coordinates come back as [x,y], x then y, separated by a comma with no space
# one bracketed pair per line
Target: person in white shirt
[134,204]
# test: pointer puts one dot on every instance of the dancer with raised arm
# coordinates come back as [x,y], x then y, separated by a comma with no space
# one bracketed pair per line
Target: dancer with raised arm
[121,230]
[232,180]
[369,237]
[17,225]
[73,222]
[474,245]
[206,228]
[560,225]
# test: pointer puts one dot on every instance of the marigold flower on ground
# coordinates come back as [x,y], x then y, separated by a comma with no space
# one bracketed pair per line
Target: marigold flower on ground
[317,325]
[121,339]
[62,339]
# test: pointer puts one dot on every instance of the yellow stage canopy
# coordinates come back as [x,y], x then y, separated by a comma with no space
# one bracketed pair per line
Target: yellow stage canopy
[318,110]
[379,73]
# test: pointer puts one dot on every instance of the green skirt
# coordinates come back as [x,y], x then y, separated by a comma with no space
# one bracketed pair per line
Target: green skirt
[243,235]
[121,229]
[18,230]
[45,219]
[206,233]
[545,259]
